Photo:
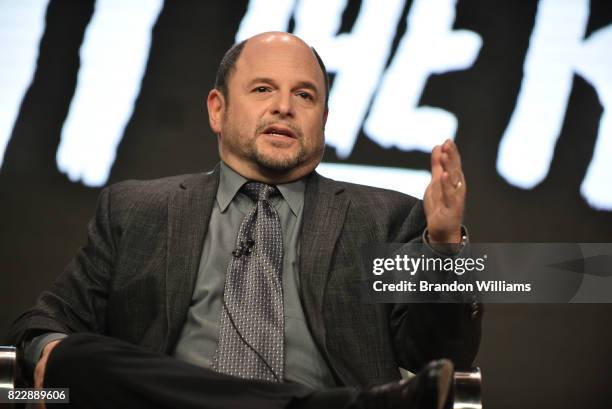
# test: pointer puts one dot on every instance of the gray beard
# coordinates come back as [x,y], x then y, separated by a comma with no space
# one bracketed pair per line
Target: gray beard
[276,164]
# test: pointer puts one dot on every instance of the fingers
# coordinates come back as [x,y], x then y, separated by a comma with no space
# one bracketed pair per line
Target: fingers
[41,366]
[446,157]
[434,190]
[39,373]
[451,163]
[444,198]
[436,163]
[447,180]
[453,194]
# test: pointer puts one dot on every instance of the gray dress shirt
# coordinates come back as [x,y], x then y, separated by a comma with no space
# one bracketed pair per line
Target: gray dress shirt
[199,336]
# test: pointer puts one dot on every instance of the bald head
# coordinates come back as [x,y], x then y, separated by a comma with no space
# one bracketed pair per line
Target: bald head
[228,63]
[273,130]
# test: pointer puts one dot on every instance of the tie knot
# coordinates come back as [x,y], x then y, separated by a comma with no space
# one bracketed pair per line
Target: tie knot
[259,191]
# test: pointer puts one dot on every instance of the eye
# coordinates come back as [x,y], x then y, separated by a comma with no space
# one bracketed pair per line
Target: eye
[305,95]
[261,89]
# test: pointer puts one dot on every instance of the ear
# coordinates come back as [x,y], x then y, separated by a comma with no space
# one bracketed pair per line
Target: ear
[216,105]
[325,117]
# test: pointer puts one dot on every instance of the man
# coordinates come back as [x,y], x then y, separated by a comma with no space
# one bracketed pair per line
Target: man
[172,266]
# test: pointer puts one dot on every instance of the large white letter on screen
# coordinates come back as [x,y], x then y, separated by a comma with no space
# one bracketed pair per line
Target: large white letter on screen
[527,146]
[430,46]
[22,24]
[594,64]
[557,50]
[357,58]
[265,15]
[113,55]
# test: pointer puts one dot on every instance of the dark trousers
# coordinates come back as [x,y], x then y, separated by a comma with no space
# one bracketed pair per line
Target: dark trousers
[104,372]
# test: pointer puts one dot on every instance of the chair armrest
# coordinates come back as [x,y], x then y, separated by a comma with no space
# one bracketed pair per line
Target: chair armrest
[468,389]
[9,370]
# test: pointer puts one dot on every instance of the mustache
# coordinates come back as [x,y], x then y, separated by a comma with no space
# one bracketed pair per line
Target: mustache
[264,125]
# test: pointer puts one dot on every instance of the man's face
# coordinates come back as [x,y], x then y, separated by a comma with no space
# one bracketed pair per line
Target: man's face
[271,124]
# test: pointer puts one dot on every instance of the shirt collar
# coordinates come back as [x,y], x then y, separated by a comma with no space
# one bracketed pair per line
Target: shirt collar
[230,183]
[293,193]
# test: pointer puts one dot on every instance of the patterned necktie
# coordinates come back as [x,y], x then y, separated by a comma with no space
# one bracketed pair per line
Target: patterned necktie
[251,334]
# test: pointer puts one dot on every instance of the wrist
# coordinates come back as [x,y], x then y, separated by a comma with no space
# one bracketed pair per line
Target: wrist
[447,247]
[444,238]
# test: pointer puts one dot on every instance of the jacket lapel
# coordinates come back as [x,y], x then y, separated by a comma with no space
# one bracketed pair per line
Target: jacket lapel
[325,206]
[189,210]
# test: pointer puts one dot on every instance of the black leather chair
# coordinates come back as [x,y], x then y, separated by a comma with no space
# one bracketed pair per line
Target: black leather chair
[467,388]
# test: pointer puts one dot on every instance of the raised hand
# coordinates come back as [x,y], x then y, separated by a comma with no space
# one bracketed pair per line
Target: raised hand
[445,196]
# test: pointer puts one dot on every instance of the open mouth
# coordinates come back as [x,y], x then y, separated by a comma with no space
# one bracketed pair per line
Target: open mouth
[279,130]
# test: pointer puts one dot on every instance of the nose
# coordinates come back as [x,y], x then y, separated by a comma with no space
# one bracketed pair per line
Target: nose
[282,105]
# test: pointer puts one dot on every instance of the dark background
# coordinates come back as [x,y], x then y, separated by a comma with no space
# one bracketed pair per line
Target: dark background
[531,355]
